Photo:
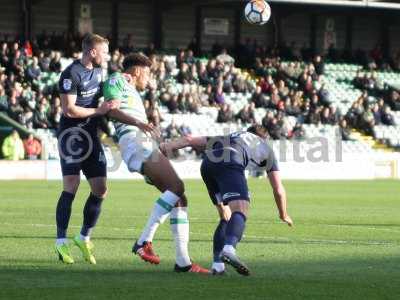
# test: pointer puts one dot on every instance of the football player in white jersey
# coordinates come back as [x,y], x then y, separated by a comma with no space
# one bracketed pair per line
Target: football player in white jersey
[141,154]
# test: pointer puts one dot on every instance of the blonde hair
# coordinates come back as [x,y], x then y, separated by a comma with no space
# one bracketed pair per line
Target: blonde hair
[91,40]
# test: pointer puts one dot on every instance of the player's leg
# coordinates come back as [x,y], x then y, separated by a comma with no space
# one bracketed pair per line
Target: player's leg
[155,167]
[161,173]
[63,215]
[95,170]
[234,191]
[208,170]
[218,266]
[234,233]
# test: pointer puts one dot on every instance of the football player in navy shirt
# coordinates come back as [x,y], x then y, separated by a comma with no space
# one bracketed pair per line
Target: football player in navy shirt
[223,171]
[80,88]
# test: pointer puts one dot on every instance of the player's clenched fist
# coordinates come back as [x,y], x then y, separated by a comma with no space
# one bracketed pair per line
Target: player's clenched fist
[105,107]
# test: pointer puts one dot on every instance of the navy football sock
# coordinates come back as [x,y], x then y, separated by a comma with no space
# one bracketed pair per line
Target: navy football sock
[63,213]
[219,239]
[91,213]
[235,228]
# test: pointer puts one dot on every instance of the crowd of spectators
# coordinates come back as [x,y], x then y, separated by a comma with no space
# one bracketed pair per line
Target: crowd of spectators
[366,112]
[184,84]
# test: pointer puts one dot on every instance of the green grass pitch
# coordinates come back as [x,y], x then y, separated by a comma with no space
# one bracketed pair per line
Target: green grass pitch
[345,244]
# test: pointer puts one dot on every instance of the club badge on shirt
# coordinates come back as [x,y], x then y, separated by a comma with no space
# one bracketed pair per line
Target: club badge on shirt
[67,84]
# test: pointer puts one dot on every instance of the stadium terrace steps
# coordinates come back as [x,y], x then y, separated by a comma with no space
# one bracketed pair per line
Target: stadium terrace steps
[373,143]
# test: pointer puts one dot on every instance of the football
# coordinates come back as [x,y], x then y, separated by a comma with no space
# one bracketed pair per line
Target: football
[257,12]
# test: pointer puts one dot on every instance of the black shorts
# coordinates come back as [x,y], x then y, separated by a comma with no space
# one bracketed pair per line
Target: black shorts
[225,182]
[80,150]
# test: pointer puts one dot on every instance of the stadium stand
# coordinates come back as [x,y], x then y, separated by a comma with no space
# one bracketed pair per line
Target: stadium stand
[293,99]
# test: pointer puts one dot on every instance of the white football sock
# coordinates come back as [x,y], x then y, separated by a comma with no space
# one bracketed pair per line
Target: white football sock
[160,213]
[229,249]
[84,238]
[218,266]
[61,241]
[180,229]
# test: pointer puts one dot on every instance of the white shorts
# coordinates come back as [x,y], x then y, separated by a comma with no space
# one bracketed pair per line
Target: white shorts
[135,151]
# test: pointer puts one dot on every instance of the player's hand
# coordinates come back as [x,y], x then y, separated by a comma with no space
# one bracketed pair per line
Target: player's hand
[150,130]
[287,219]
[105,107]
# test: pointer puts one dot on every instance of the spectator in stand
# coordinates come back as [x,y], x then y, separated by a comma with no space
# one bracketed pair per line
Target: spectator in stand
[225,58]
[213,70]
[315,116]
[319,65]
[298,131]
[13,148]
[55,62]
[189,58]
[40,118]
[225,114]
[282,89]
[172,131]
[367,121]
[184,75]
[33,71]
[191,104]
[387,117]
[113,63]
[246,114]
[15,110]
[171,102]
[345,131]
[324,96]
[377,114]
[258,98]
[219,98]
[204,79]
[32,147]
[354,114]
[334,115]
[393,101]
[325,116]
[3,99]
[27,118]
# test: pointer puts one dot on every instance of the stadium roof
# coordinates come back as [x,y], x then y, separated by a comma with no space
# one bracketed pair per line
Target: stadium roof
[356,3]
[387,4]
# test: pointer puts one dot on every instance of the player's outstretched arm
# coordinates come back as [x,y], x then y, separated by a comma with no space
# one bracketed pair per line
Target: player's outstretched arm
[120,116]
[198,142]
[280,196]
[71,110]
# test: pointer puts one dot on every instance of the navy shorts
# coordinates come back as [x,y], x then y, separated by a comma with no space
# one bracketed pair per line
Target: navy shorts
[80,150]
[225,182]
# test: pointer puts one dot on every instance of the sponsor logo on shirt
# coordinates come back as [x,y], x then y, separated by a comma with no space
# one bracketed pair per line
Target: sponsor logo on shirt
[230,195]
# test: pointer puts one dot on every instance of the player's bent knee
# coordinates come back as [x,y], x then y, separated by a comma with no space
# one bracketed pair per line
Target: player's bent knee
[100,191]
[241,206]
[224,212]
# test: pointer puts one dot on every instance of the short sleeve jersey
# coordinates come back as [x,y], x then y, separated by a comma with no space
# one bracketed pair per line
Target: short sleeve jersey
[86,84]
[117,87]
